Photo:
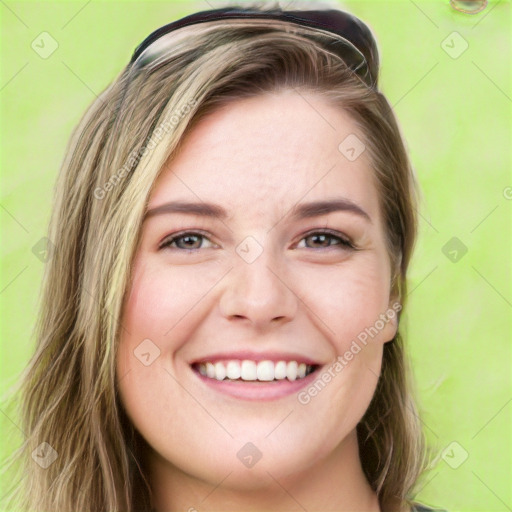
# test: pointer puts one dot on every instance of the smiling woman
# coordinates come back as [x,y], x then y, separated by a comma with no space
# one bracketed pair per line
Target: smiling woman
[220,321]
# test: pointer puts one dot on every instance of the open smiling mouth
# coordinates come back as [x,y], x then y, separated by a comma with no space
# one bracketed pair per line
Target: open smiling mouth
[256,376]
[252,371]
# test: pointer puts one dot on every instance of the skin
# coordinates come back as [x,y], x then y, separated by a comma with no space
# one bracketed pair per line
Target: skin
[257,158]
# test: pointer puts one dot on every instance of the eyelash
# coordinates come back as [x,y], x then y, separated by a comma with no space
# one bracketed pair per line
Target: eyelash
[344,242]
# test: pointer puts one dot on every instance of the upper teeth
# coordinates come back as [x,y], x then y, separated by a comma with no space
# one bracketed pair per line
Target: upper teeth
[252,370]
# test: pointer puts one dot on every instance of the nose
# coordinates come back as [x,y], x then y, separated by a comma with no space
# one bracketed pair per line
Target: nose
[259,292]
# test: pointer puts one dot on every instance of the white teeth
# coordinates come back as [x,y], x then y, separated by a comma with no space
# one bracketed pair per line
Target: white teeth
[263,371]
[220,371]
[248,370]
[210,370]
[280,370]
[291,370]
[233,370]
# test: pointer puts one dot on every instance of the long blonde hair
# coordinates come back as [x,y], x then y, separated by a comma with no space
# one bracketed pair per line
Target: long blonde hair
[68,391]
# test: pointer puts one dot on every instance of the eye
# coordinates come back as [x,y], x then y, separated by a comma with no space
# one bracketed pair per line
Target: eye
[323,238]
[192,240]
[188,240]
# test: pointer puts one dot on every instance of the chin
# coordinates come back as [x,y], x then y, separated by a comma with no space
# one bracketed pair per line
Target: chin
[278,461]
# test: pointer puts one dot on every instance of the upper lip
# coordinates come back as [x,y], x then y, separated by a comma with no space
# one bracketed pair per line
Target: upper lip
[255,356]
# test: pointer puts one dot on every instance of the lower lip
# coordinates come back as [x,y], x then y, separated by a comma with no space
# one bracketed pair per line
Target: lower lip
[257,390]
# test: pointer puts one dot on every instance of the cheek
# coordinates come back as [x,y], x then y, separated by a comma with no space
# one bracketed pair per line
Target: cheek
[161,301]
[154,320]
[347,300]
[348,303]
[155,299]
[160,312]
[150,312]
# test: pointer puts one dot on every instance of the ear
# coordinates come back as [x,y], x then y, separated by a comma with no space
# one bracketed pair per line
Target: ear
[391,314]
[394,307]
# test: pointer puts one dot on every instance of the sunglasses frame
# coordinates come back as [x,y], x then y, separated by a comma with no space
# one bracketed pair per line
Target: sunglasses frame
[350,30]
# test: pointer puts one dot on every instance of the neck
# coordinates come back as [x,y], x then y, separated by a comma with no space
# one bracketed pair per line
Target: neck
[333,483]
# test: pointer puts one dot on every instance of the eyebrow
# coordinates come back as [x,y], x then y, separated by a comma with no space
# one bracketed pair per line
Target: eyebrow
[299,211]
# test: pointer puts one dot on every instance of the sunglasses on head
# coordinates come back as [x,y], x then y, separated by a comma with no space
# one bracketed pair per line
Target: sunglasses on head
[355,43]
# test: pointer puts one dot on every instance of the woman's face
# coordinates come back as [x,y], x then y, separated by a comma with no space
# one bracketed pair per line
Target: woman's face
[252,286]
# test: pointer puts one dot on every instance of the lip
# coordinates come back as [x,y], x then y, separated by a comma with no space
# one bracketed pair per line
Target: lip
[256,390]
[255,356]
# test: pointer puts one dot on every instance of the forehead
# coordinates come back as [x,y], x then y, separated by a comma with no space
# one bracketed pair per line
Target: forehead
[266,153]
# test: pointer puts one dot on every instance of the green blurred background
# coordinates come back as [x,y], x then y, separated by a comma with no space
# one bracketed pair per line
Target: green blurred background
[447,75]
